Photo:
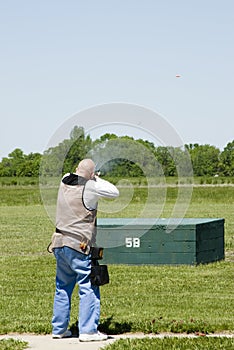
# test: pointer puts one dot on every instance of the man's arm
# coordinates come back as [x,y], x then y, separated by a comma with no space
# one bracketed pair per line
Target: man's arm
[105,188]
[98,188]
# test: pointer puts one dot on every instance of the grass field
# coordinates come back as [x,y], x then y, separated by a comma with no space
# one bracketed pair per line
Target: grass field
[138,298]
[11,344]
[173,344]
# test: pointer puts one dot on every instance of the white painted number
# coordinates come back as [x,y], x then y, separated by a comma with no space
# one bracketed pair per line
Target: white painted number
[132,242]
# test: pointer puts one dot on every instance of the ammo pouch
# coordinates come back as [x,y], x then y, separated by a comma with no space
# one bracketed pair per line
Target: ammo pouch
[99,273]
[96,253]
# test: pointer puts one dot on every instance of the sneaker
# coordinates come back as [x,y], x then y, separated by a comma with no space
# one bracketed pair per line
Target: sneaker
[66,334]
[93,337]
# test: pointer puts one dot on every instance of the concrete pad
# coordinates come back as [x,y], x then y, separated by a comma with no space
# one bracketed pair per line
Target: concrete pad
[45,342]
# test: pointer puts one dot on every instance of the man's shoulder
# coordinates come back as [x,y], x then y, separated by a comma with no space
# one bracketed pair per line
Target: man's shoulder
[73,180]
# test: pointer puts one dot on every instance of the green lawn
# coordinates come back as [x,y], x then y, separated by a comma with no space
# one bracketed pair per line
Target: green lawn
[138,298]
[11,344]
[173,344]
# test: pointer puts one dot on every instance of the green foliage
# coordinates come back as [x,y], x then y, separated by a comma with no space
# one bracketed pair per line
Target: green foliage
[227,160]
[66,155]
[164,158]
[80,146]
[121,156]
[205,159]
[11,344]
[19,164]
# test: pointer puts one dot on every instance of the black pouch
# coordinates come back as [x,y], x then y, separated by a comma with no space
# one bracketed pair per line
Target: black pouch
[99,274]
[96,253]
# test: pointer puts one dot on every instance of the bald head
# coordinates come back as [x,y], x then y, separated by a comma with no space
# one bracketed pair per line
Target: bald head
[86,168]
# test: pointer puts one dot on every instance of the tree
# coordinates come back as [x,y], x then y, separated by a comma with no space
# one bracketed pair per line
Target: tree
[227,160]
[30,166]
[205,159]
[164,157]
[6,167]
[124,156]
[66,155]
[80,145]
[121,157]
[11,166]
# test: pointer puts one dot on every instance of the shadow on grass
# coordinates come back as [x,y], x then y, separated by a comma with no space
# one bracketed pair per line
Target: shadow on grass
[111,327]
[156,326]
[107,326]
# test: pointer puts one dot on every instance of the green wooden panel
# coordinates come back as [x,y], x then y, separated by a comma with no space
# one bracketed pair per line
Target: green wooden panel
[209,256]
[209,244]
[212,230]
[147,241]
[148,258]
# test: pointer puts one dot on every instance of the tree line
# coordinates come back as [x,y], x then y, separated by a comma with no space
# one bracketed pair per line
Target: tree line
[121,156]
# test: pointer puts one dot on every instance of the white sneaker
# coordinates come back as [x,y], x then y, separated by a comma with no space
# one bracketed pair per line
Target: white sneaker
[66,334]
[93,337]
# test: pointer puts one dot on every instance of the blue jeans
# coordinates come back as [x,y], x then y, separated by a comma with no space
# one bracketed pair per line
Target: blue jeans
[74,267]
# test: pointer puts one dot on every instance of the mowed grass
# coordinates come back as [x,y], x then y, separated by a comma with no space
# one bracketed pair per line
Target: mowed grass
[11,344]
[138,298]
[173,344]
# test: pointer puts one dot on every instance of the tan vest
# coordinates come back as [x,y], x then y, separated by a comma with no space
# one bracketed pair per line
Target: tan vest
[75,224]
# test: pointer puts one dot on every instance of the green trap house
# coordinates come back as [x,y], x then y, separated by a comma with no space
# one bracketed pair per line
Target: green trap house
[161,241]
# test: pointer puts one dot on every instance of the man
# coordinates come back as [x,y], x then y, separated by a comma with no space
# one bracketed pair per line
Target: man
[75,234]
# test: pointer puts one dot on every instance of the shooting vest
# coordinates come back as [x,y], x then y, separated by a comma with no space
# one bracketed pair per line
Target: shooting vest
[75,224]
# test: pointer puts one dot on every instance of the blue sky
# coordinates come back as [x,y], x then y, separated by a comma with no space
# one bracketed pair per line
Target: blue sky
[60,57]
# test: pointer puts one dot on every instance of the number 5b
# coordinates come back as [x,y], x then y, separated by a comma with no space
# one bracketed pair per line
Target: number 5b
[132,242]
